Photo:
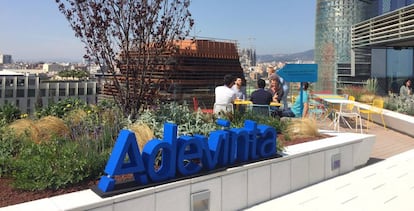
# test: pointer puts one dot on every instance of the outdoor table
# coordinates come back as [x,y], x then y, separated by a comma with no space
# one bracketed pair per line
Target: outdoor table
[337,118]
[328,96]
[242,102]
[329,107]
[248,102]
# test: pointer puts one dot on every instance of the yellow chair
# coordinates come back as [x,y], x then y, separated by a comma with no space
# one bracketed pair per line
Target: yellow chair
[376,108]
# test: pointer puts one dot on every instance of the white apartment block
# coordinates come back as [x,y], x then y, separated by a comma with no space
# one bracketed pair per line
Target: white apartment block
[26,91]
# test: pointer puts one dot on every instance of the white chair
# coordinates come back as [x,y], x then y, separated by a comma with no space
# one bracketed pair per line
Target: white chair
[261,109]
[223,108]
[348,111]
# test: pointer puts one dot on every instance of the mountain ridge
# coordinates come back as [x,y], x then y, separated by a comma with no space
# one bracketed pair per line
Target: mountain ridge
[304,56]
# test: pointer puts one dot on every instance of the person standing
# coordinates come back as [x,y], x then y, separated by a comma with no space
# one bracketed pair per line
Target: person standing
[405,89]
[285,87]
[224,95]
[302,102]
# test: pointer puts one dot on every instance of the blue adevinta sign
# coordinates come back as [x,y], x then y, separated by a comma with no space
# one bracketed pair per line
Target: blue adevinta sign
[187,155]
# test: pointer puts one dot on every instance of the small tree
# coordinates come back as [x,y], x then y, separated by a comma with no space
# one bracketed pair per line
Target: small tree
[129,39]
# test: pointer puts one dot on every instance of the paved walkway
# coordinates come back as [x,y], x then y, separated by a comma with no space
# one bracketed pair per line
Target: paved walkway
[385,185]
[387,143]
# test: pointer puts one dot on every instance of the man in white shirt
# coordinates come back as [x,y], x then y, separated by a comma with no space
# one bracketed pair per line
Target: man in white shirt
[224,95]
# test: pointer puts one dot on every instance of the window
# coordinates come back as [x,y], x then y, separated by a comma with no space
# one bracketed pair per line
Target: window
[20,82]
[81,91]
[20,93]
[90,91]
[31,93]
[62,92]
[52,92]
[71,91]
[9,93]
[32,81]
[42,92]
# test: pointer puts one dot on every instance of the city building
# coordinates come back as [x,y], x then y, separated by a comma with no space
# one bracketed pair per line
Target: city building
[27,91]
[385,44]
[194,70]
[360,39]
[5,59]
[334,19]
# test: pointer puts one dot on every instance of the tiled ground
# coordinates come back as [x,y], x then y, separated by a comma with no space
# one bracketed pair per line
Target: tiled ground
[388,142]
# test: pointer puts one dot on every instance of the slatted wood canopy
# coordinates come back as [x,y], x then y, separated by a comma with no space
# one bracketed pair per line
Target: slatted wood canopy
[195,69]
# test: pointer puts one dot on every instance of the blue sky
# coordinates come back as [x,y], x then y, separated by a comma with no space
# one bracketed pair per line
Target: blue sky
[33,30]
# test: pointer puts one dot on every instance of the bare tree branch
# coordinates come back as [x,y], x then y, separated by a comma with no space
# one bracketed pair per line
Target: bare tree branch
[130,40]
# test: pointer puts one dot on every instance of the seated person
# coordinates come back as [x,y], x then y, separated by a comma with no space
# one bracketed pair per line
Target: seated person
[240,93]
[261,96]
[275,88]
[277,92]
[238,89]
[224,95]
[296,108]
[405,89]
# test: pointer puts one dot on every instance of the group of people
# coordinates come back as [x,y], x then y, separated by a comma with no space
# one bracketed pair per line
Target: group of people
[277,92]
[226,94]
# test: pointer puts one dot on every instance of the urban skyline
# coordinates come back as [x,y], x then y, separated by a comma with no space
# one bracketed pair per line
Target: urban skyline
[36,30]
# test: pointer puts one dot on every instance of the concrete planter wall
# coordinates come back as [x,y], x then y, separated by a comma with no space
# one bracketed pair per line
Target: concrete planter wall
[393,120]
[244,186]
[236,188]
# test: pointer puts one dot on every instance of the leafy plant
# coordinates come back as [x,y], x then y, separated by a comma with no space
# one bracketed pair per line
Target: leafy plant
[399,104]
[9,113]
[65,159]
[189,122]
[10,147]
[55,165]
[60,108]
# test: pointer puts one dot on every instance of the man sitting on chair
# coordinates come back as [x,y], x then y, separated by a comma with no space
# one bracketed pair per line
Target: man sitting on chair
[261,97]
[224,95]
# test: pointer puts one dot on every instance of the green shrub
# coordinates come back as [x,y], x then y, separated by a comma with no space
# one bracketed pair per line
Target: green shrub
[60,108]
[189,122]
[239,118]
[10,147]
[280,126]
[9,113]
[55,165]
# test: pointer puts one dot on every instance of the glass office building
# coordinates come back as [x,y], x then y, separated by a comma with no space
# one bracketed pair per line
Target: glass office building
[386,42]
[334,19]
[360,39]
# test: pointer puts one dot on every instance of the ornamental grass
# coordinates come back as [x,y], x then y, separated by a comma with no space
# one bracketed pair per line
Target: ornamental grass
[25,129]
[302,128]
[143,133]
[50,126]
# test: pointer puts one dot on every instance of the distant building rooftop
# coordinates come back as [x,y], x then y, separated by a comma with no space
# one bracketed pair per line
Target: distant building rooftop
[10,73]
